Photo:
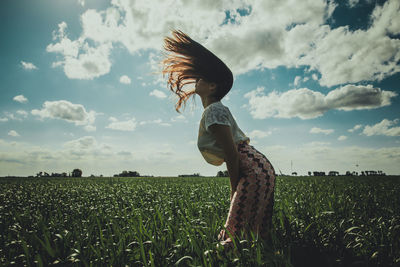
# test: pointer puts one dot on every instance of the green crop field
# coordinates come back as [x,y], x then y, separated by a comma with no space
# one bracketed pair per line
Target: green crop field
[317,221]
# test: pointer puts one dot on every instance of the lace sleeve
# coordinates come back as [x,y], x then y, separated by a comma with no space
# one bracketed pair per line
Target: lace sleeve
[216,115]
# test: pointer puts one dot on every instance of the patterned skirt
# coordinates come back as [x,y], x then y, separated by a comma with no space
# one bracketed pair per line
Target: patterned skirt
[252,204]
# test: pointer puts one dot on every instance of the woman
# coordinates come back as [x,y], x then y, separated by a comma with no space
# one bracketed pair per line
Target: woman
[252,177]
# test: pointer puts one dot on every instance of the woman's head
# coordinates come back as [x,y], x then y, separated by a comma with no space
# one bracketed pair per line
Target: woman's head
[189,62]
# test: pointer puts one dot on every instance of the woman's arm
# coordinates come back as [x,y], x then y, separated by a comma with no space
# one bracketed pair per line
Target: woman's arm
[224,137]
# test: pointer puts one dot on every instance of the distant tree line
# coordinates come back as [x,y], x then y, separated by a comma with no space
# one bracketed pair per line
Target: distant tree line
[128,174]
[78,173]
[74,173]
[189,175]
[222,174]
[348,173]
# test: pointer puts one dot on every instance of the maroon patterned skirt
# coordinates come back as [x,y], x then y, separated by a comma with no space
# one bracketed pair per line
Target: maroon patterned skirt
[252,204]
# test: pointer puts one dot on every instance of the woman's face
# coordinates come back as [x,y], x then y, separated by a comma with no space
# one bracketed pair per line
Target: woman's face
[204,88]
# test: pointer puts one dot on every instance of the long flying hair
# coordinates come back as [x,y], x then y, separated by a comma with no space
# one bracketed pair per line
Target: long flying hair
[189,61]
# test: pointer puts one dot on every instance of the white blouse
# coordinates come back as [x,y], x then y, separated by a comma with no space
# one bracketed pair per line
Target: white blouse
[216,113]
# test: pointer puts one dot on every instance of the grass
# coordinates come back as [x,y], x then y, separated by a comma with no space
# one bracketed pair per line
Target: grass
[319,221]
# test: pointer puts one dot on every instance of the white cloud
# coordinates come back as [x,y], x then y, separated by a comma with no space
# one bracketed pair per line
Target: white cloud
[345,56]
[259,134]
[128,125]
[139,25]
[80,60]
[339,55]
[20,99]
[296,80]
[316,130]
[22,113]
[81,2]
[179,118]
[83,143]
[90,128]
[342,138]
[307,104]
[158,93]
[28,65]
[355,128]
[157,121]
[268,35]
[125,79]
[265,38]
[13,133]
[385,127]
[19,115]
[86,148]
[314,77]
[385,18]
[65,110]
[10,116]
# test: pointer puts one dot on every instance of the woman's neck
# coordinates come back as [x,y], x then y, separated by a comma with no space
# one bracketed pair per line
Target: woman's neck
[206,101]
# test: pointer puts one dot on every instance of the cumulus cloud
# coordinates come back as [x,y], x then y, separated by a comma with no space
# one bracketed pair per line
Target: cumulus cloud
[342,138]
[307,104]
[22,113]
[10,116]
[340,55]
[157,121]
[345,56]
[65,110]
[158,93]
[385,127]
[138,25]
[256,35]
[125,79]
[20,99]
[127,125]
[355,128]
[13,133]
[316,130]
[19,115]
[259,134]
[28,65]
[79,59]
[83,143]
[266,38]
[83,151]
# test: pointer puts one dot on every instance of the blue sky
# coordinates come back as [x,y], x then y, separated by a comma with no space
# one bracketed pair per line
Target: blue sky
[316,84]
